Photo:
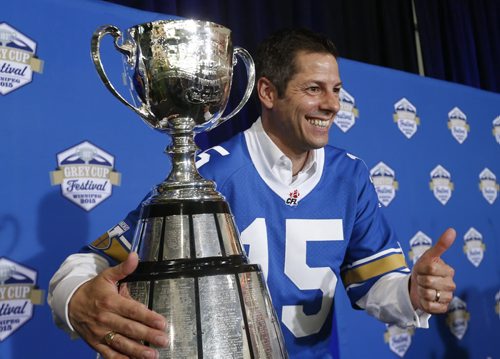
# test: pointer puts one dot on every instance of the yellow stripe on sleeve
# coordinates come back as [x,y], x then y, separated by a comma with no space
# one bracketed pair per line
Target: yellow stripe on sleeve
[373,269]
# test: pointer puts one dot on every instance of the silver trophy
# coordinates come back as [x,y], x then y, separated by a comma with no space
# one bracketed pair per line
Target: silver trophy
[192,268]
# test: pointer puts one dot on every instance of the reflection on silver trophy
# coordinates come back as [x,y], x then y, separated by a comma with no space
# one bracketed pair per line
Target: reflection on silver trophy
[192,267]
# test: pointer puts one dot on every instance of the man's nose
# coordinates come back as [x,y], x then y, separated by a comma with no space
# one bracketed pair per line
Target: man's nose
[331,102]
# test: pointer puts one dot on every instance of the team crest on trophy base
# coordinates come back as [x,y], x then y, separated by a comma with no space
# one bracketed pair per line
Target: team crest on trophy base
[192,267]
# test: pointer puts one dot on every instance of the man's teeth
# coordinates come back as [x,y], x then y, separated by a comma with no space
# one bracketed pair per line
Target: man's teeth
[320,123]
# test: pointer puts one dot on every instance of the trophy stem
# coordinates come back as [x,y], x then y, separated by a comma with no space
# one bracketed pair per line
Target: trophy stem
[184,181]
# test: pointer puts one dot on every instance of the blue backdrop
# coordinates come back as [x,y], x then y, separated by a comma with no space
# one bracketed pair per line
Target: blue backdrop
[433,148]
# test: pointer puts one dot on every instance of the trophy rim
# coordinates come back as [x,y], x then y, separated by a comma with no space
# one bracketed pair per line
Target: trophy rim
[211,24]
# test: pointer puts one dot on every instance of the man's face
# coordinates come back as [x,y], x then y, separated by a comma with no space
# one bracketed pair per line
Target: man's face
[301,119]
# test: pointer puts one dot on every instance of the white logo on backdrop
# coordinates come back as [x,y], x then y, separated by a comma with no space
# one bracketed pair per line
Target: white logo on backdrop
[441,184]
[17,59]
[496,128]
[405,115]
[18,294]
[457,123]
[85,173]
[474,246]
[488,185]
[419,244]
[383,178]
[399,339]
[458,317]
[346,117]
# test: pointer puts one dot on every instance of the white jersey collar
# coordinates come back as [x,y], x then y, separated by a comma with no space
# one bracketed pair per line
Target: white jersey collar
[275,168]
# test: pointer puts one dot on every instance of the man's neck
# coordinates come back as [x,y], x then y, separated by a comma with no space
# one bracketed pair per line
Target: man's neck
[298,159]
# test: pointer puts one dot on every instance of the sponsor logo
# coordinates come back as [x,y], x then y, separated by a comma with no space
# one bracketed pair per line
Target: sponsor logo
[441,184]
[474,246]
[488,185]
[399,339]
[496,129]
[457,123]
[18,294]
[17,59]
[346,117]
[383,178]
[458,317]
[86,175]
[419,244]
[293,198]
[405,115]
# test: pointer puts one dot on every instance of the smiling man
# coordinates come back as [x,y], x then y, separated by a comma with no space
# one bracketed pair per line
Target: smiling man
[307,212]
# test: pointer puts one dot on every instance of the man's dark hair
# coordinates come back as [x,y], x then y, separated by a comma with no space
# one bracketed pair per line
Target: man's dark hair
[275,59]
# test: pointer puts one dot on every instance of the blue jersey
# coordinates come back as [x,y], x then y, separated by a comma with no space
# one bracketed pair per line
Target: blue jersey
[306,239]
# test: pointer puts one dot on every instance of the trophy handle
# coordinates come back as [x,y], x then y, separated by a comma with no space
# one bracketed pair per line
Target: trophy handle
[250,66]
[126,49]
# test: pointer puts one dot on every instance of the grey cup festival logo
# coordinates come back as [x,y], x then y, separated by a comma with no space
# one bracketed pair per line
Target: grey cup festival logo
[385,183]
[419,244]
[399,339]
[457,123]
[441,184]
[458,317]
[496,129]
[405,115]
[488,185]
[346,117]
[18,294]
[18,59]
[86,175]
[474,246]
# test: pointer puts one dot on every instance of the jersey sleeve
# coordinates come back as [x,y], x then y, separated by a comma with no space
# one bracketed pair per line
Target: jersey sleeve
[115,244]
[373,250]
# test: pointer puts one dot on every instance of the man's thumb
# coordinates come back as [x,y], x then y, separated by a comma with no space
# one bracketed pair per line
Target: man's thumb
[444,242]
[120,271]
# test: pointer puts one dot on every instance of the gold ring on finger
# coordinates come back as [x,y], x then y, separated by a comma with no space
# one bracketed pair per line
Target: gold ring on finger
[108,338]
[438,296]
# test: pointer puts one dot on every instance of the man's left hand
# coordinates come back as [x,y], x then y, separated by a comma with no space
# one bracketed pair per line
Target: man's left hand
[431,282]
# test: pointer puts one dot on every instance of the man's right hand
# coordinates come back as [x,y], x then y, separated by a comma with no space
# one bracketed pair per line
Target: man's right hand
[97,309]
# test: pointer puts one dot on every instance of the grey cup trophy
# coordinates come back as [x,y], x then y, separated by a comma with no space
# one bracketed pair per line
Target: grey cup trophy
[192,268]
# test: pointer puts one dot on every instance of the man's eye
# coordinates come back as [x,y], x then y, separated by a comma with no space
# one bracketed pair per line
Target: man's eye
[337,89]
[313,89]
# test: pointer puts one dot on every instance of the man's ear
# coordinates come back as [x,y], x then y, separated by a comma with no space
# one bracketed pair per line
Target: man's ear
[267,92]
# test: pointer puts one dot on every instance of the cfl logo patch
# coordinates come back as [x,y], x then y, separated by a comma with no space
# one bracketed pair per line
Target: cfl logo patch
[293,198]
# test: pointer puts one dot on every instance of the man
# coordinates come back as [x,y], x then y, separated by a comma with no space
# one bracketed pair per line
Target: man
[332,228]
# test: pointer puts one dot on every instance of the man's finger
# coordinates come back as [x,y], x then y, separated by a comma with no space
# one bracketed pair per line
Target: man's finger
[116,273]
[444,242]
[133,310]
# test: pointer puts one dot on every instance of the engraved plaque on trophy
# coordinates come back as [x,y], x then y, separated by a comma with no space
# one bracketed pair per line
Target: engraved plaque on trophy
[192,267]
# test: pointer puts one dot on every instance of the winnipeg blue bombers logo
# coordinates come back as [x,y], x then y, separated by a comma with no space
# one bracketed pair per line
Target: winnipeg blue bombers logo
[346,117]
[18,59]
[399,339]
[385,183]
[458,317]
[474,246]
[488,185]
[441,184]
[405,115]
[496,129]
[457,123]
[113,243]
[86,175]
[18,294]
[419,244]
